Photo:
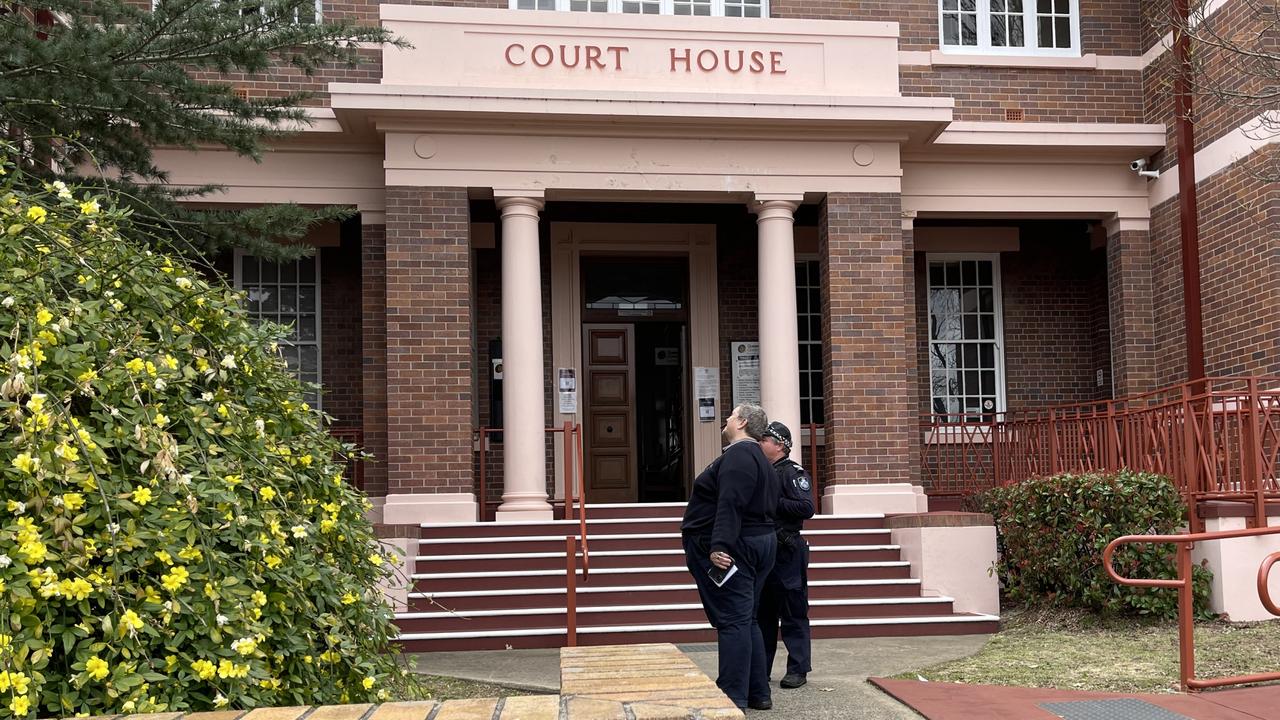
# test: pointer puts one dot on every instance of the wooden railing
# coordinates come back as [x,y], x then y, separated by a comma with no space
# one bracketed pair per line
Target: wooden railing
[1218,439]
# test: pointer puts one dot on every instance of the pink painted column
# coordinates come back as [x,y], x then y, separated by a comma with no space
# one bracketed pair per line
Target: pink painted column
[524,470]
[779,342]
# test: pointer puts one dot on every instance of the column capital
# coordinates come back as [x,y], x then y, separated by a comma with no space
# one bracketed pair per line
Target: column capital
[775,207]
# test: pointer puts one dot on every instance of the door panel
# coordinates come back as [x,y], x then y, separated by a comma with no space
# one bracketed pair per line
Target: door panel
[610,413]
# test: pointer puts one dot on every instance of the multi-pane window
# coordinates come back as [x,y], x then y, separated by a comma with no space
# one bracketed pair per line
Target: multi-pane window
[287,293]
[966,365]
[1027,27]
[715,8]
[250,9]
[809,326]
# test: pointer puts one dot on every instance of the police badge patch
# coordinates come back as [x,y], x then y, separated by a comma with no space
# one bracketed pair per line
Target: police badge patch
[802,482]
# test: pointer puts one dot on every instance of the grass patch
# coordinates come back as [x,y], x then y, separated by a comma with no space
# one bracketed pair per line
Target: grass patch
[441,688]
[1077,650]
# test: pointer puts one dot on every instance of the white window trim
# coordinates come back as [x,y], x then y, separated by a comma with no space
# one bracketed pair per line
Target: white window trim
[319,9]
[665,7]
[805,258]
[1031,30]
[997,289]
[237,274]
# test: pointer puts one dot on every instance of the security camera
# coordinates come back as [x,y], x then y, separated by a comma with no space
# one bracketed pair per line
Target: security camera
[1140,166]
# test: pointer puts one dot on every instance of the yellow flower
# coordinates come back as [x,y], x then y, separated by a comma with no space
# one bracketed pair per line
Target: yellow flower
[47,338]
[348,599]
[305,461]
[89,207]
[5,640]
[130,621]
[259,598]
[97,668]
[76,589]
[267,493]
[170,362]
[67,452]
[72,501]
[34,551]
[43,316]
[375,558]
[18,683]
[37,214]
[20,704]
[273,562]
[368,683]
[87,376]
[161,420]
[142,495]
[26,463]
[204,669]
[135,365]
[245,646]
[151,368]
[191,554]
[231,480]
[175,579]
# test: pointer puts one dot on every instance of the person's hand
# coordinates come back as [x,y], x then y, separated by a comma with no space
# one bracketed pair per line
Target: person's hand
[721,560]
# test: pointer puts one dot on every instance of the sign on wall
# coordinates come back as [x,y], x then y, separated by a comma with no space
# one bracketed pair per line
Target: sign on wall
[706,388]
[746,372]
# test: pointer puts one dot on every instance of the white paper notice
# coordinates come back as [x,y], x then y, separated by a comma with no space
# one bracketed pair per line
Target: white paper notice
[746,372]
[706,388]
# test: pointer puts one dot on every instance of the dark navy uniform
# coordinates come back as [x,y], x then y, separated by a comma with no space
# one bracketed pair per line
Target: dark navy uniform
[731,510]
[785,601]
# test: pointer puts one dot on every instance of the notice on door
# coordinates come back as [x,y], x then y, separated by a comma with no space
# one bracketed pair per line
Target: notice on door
[746,372]
[706,388]
[568,391]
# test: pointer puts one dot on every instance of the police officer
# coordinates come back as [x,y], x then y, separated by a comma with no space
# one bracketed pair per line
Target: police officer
[786,591]
[728,528]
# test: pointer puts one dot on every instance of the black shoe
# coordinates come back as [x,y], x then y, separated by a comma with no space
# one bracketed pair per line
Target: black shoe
[760,704]
[793,680]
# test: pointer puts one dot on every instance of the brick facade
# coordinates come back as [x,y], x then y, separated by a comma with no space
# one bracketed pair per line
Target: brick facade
[340,340]
[866,357]
[429,358]
[1131,311]
[373,333]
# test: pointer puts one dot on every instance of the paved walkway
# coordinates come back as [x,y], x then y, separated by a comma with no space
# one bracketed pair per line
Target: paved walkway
[837,688]
[951,701]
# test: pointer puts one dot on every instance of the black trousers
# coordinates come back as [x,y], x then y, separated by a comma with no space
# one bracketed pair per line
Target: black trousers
[784,605]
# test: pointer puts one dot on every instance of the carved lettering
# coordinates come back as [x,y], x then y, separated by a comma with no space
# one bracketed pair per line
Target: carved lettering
[593,57]
[757,61]
[775,63]
[728,60]
[688,63]
[511,47]
[617,51]
[564,56]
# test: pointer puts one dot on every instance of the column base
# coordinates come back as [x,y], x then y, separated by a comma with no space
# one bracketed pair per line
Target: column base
[951,554]
[523,515]
[434,508]
[886,498]
[522,507]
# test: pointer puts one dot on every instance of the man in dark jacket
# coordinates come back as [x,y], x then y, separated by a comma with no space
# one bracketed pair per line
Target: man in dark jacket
[729,545]
[785,599]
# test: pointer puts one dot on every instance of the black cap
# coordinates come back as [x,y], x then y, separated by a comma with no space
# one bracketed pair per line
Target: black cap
[779,432]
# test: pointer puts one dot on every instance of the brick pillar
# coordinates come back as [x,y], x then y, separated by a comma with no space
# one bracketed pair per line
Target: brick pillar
[911,345]
[1132,311]
[429,359]
[373,330]
[867,357]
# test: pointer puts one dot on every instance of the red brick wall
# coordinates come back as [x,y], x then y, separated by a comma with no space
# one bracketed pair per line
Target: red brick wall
[373,330]
[1240,275]
[983,93]
[429,360]
[865,357]
[341,345]
[737,275]
[1056,329]
[1132,312]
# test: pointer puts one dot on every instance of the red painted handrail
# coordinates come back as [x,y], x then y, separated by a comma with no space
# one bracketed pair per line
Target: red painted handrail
[1186,634]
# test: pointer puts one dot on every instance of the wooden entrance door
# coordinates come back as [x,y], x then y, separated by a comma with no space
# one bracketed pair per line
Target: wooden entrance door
[610,443]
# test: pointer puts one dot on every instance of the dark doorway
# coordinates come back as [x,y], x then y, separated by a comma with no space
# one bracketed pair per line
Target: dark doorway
[635,350]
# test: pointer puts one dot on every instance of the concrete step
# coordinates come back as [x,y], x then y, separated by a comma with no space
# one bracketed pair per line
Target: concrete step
[603,559]
[616,526]
[442,546]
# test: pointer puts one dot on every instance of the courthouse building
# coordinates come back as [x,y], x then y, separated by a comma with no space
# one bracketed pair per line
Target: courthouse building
[875,218]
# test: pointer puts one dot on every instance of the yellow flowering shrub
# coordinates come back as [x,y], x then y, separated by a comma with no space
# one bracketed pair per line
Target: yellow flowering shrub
[175,530]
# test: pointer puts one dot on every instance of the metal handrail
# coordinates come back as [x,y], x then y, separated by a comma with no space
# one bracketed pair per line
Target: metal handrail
[482,434]
[1186,636]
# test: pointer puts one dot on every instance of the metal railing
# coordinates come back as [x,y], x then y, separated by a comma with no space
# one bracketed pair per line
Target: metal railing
[1218,439]
[568,430]
[1184,585]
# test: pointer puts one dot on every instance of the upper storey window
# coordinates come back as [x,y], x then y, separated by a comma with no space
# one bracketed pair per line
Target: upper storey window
[709,8]
[1012,27]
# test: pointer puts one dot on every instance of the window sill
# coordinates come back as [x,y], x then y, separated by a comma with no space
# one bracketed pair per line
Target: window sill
[1065,62]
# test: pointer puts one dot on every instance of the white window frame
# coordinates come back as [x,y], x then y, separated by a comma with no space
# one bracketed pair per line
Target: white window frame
[1031,31]
[319,9]
[997,290]
[808,258]
[665,7]
[238,275]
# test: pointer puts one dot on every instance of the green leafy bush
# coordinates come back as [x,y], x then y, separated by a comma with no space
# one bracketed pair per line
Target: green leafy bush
[1051,533]
[175,529]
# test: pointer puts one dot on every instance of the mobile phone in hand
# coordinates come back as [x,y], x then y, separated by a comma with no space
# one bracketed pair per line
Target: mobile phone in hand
[721,576]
